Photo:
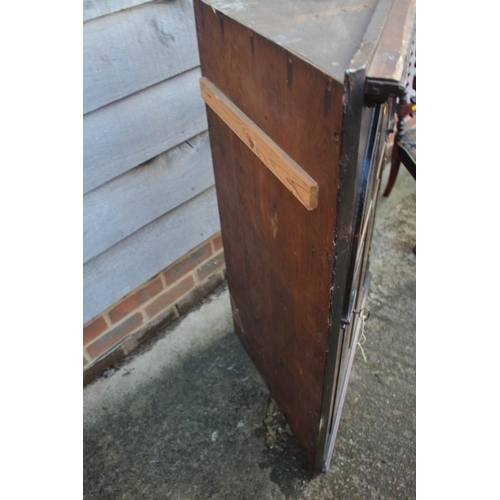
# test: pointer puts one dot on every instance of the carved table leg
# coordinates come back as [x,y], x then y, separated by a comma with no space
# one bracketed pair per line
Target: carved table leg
[395,161]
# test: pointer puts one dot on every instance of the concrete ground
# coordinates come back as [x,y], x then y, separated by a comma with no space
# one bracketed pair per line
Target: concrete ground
[188,416]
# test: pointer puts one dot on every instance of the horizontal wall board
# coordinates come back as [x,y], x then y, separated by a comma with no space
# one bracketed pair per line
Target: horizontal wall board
[122,206]
[122,268]
[98,8]
[137,48]
[129,132]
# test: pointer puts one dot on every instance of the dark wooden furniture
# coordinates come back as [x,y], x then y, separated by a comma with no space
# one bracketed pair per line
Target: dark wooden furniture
[407,151]
[299,98]
[404,151]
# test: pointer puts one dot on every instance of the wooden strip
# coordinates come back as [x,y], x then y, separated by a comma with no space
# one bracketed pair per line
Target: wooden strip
[294,177]
[129,132]
[392,50]
[131,50]
[126,265]
[98,8]
[122,206]
[371,37]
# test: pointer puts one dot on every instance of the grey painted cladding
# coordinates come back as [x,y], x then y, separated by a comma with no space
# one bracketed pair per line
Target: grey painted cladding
[122,206]
[114,273]
[135,49]
[148,178]
[98,8]
[129,132]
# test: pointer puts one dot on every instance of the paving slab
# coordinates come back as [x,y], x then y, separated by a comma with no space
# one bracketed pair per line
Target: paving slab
[189,417]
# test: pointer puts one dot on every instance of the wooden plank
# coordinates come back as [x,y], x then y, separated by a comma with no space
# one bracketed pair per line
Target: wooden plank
[97,8]
[279,257]
[116,272]
[129,132]
[134,49]
[292,175]
[371,37]
[389,60]
[125,204]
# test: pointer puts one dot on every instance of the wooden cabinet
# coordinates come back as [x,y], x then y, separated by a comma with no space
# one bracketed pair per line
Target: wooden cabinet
[299,97]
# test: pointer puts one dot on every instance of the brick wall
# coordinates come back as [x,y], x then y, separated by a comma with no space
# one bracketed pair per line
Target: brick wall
[138,316]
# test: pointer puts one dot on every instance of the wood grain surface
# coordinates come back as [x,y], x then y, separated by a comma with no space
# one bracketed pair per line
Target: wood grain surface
[393,47]
[134,49]
[129,132]
[129,202]
[327,33]
[279,257]
[292,175]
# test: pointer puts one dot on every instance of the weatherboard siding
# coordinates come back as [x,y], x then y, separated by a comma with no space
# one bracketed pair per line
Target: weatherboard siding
[149,195]
[136,48]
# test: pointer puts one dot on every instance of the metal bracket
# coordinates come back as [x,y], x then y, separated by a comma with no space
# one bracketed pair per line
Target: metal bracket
[347,320]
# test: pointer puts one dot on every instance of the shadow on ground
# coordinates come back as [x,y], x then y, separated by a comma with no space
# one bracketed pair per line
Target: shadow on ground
[184,422]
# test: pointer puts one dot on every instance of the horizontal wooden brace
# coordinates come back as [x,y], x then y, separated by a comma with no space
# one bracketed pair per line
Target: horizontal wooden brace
[294,177]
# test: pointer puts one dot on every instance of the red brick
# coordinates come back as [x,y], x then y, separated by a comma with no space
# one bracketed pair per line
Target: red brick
[94,329]
[151,329]
[150,290]
[144,334]
[187,264]
[124,308]
[131,303]
[215,264]
[114,336]
[217,242]
[165,300]
[200,292]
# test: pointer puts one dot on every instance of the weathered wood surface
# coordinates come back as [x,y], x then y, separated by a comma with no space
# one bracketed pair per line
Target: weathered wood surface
[326,33]
[125,204]
[389,60]
[279,257]
[292,175]
[114,273]
[98,8]
[136,48]
[126,133]
[371,37]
